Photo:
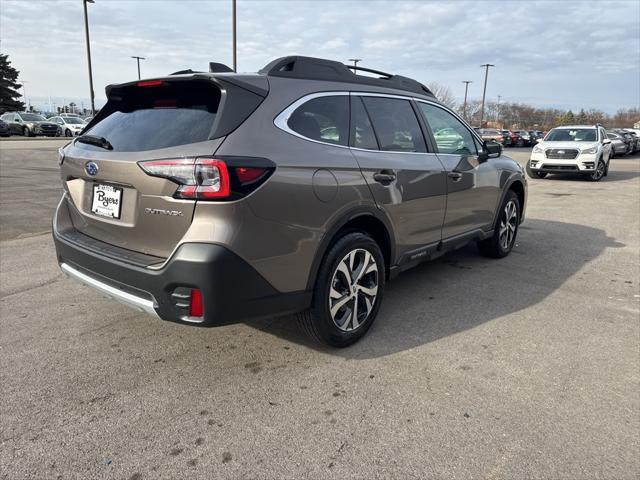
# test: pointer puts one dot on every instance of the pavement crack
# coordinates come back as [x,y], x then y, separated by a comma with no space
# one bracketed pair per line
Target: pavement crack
[50,281]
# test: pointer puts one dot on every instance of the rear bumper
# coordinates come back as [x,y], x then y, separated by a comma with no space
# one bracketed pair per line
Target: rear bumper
[232,290]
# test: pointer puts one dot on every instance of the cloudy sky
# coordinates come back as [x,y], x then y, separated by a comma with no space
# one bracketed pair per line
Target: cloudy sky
[566,54]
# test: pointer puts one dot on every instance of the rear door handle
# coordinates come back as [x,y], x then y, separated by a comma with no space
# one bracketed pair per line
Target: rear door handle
[455,176]
[384,176]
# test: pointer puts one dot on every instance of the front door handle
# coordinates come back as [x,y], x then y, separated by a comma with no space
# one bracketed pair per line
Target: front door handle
[384,176]
[455,176]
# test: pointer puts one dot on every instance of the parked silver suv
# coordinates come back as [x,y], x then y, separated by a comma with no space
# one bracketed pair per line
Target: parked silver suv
[209,198]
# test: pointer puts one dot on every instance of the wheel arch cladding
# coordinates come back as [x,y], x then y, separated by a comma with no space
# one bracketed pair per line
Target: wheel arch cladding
[514,184]
[364,221]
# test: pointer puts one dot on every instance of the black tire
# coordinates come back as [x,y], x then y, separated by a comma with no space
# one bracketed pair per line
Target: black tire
[533,174]
[25,132]
[597,175]
[520,143]
[494,246]
[67,133]
[318,321]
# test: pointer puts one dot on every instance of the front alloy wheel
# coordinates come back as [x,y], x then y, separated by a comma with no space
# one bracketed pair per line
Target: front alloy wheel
[599,173]
[508,225]
[353,291]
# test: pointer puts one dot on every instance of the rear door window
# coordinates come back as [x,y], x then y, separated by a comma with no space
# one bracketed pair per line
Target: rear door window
[160,116]
[324,119]
[395,124]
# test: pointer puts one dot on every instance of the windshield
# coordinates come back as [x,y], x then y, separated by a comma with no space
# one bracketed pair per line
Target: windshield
[31,117]
[74,120]
[572,135]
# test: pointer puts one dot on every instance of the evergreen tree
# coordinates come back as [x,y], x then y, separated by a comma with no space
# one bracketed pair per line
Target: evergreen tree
[9,88]
[582,117]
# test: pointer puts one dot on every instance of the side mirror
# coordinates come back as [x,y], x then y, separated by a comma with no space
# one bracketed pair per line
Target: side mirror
[18,120]
[606,141]
[490,149]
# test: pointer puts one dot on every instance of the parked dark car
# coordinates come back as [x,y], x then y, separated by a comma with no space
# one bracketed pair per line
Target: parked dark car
[29,124]
[5,131]
[506,138]
[525,138]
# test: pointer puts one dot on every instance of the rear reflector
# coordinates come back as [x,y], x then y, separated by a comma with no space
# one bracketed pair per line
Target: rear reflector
[196,308]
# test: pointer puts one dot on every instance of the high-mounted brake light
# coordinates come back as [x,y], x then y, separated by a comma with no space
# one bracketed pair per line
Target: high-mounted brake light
[150,83]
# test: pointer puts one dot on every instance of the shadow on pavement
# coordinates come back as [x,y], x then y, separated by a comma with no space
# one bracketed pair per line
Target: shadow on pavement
[463,289]
[614,176]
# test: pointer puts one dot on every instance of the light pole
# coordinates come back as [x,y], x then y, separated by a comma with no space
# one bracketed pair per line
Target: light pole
[86,33]
[355,61]
[484,92]
[498,110]
[24,94]
[464,105]
[235,51]
[138,60]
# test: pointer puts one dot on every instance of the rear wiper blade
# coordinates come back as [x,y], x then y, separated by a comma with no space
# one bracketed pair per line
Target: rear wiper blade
[97,141]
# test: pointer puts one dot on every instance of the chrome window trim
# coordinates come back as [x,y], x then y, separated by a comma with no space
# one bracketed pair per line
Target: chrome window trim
[282,119]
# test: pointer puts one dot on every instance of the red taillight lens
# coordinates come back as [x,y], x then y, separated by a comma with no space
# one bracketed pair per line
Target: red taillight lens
[222,178]
[249,174]
[196,307]
[199,178]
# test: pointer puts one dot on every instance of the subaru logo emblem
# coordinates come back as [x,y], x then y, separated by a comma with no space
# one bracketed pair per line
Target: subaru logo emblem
[91,168]
[560,152]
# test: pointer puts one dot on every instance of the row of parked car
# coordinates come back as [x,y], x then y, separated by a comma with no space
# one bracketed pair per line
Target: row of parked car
[624,141]
[32,124]
[511,138]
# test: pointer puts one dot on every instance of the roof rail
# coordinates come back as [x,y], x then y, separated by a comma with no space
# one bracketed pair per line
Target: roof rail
[321,69]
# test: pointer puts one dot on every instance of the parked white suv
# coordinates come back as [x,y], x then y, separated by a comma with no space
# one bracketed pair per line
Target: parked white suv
[572,149]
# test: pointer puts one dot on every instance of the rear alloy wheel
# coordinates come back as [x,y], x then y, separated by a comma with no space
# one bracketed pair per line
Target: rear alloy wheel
[25,132]
[599,173]
[504,235]
[348,291]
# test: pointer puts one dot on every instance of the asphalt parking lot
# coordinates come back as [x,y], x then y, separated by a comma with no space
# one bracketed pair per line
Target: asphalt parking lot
[526,367]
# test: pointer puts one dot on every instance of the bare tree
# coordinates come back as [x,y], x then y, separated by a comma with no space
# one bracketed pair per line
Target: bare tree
[443,94]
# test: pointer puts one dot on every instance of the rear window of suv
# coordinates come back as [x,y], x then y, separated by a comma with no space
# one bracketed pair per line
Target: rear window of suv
[161,116]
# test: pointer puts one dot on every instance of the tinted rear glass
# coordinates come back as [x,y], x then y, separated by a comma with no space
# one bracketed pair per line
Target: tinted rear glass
[149,118]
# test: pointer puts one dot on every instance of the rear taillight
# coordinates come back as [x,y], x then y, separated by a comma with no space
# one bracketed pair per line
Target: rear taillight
[211,178]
